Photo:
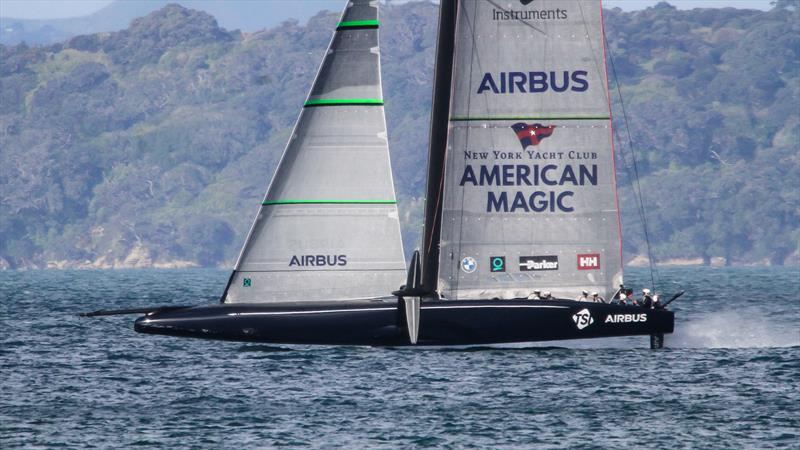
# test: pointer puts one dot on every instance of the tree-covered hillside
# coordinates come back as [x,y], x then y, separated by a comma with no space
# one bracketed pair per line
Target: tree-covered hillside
[154,145]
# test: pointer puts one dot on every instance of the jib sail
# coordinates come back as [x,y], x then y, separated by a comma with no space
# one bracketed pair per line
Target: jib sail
[528,195]
[328,227]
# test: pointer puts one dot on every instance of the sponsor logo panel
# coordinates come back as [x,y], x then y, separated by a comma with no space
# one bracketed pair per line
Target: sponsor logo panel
[530,13]
[626,318]
[589,261]
[531,135]
[533,82]
[582,319]
[519,172]
[318,260]
[497,263]
[468,264]
[537,263]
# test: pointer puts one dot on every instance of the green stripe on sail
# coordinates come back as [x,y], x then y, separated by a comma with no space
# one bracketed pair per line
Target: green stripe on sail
[344,101]
[329,202]
[464,119]
[358,24]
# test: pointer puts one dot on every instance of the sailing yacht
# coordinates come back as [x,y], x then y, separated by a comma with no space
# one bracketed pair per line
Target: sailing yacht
[521,197]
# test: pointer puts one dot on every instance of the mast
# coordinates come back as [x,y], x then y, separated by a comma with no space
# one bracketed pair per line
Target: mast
[437,146]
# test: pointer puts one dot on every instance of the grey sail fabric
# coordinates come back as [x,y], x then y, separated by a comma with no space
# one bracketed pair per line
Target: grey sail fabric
[328,228]
[529,191]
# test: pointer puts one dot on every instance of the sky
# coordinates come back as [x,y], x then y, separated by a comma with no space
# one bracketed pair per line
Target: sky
[55,9]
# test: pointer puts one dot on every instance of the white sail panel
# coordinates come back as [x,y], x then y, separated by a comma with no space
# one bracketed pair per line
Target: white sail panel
[320,252]
[529,187]
[328,228]
[551,64]
[336,153]
[351,70]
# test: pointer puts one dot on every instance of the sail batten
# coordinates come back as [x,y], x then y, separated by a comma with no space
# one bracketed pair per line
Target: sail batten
[344,101]
[330,202]
[528,194]
[503,118]
[328,227]
[358,24]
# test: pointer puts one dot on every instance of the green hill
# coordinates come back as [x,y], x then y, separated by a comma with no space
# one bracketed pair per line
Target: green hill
[152,146]
[246,15]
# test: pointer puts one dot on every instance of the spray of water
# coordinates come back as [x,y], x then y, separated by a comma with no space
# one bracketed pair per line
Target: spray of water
[742,328]
[739,328]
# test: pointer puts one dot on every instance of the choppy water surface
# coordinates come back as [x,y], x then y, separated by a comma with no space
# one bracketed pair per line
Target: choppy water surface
[728,379]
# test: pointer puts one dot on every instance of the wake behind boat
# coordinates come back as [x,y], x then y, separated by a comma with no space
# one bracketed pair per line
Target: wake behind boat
[521,198]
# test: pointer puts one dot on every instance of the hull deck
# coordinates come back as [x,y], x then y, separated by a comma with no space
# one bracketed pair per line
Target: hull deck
[461,322]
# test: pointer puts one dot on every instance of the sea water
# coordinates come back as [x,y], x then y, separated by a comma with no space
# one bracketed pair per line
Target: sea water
[727,379]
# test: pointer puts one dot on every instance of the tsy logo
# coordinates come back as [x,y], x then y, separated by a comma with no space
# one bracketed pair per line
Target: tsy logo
[582,319]
[589,261]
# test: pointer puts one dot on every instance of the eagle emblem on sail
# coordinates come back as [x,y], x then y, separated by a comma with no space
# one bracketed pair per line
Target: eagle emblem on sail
[532,134]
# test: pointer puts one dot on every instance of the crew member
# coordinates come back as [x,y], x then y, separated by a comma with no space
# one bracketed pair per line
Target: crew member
[537,295]
[626,297]
[618,296]
[584,297]
[597,298]
[547,296]
[630,298]
[647,299]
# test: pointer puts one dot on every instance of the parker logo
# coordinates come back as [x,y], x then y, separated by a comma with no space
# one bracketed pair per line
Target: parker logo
[536,263]
[589,261]
[626,318]
[582,319]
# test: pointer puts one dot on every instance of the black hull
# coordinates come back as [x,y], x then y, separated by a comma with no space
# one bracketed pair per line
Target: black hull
[463,322]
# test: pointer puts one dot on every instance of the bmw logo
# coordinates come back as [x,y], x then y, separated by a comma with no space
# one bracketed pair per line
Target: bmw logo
[468,264]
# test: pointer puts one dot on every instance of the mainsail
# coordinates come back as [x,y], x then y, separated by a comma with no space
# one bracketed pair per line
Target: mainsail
[328,228]
[525,196]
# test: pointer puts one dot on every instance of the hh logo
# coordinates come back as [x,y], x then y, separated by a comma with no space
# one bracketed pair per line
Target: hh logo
[589,261]
[582,319]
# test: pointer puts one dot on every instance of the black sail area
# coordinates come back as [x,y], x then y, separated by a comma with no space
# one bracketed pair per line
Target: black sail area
[437,146]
